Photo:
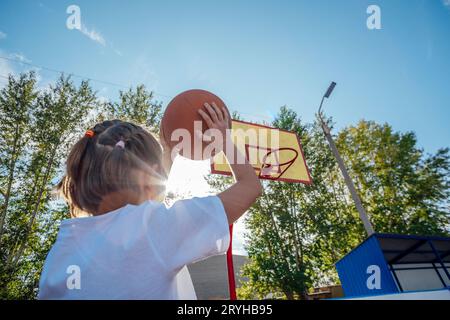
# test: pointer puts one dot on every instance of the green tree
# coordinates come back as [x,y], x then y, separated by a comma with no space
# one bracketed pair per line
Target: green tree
[296,233]
[37,129]
[137,106]
[42,125]
[404,190]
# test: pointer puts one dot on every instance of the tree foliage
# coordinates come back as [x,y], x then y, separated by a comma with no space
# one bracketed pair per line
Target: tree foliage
[404,190]
[136,106]
[295,233]
[37,129]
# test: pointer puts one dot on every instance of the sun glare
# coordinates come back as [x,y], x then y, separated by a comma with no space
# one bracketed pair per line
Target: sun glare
[187,180]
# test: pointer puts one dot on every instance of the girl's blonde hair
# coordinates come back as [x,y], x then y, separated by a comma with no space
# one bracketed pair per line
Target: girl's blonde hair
[98,165]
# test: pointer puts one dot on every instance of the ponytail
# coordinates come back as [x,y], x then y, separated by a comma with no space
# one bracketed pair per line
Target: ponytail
[109,158]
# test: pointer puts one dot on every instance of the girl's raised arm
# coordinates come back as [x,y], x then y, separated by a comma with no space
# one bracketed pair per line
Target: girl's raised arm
[247,187]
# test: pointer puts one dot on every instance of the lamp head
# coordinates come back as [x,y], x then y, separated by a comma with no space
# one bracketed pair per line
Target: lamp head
[330,89]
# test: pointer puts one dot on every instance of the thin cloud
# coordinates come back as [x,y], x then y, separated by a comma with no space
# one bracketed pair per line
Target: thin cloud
[2,35]
[119,53]
[98,37]
[8,67]
[446,3]
[20,57]
[74,22]
[93,35]
[5,68]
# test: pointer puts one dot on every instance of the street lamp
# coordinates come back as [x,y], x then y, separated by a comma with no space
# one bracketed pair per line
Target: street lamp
[348,181]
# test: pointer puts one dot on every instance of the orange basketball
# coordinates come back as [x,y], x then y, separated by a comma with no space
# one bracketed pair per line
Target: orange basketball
[181,113]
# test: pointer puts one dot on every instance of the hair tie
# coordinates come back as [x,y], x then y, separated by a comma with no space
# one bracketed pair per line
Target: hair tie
[89,133]
[120,144]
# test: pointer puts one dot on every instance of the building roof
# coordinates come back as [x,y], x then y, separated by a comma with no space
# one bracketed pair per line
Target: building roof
[398,248]
[406,249]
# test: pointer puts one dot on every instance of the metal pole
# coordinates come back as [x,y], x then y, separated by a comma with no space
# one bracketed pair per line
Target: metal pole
[438,256]
[348,180]
[230,267]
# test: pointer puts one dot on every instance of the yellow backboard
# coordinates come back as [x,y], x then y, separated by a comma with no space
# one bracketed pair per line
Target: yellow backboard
[275,154]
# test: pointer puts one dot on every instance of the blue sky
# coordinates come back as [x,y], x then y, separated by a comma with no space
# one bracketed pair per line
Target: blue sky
[257,55]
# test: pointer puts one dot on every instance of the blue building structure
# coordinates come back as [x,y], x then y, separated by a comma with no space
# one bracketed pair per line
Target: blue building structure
[392,263]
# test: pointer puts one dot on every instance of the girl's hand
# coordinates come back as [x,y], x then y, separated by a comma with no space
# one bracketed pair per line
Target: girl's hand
[216,118]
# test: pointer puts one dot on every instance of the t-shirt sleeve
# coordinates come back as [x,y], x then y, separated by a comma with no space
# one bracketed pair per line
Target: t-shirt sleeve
[190,230]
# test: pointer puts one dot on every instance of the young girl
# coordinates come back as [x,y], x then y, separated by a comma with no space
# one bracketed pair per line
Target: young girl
[132,246]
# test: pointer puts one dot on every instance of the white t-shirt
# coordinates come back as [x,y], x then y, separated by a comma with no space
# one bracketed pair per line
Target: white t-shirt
[135,252]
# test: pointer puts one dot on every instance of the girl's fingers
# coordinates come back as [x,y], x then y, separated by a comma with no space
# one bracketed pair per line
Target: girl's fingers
[206,117]
[218,111]
[212,113]
[225,115]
